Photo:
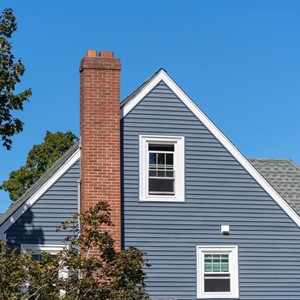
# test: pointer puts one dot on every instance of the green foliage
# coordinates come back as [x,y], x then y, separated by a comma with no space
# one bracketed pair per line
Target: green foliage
[10,72]
[95,269]
[40,158]
[22,278]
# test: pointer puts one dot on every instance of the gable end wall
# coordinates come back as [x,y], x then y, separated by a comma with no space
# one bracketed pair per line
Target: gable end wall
[38,224]
[218,192]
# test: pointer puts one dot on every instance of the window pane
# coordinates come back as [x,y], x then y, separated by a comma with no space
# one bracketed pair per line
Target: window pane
[152,160]
[216,263]
[169,174]
[152,174]
[169,160]
[157,147]
[161,186]
[217,285]
[37,257]
[208,267]
[161,160]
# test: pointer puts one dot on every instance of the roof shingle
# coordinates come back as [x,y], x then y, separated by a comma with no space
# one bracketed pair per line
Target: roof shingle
[284,176]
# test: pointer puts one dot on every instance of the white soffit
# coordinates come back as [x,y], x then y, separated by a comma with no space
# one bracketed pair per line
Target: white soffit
[163,76]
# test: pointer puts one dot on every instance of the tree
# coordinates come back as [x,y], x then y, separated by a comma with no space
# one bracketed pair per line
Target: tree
[10,72]
[107,275]
[40,158]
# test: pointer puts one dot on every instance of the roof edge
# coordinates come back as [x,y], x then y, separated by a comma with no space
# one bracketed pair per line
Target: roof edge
[39,187]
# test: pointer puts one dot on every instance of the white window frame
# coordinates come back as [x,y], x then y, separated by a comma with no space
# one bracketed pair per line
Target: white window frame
[51,249]
[37,249]
[232,251]
[179,167]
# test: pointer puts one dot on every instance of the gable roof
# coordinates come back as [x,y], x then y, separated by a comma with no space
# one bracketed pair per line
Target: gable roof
[39,187]
[284,176]
[161,75]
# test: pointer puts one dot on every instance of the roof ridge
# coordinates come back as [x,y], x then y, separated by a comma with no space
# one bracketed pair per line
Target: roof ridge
[136,91]
[276,159]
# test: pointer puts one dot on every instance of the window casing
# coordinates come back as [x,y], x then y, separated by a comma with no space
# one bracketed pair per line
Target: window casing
[161,168]
[36,251]
[217,272]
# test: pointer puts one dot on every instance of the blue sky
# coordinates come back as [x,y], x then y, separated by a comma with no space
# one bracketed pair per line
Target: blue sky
[238,60]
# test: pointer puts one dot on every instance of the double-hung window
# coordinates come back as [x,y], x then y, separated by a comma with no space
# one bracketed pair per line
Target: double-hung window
[217,272]
[161,168]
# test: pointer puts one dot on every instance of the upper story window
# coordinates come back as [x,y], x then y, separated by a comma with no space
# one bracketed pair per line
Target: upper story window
[161,168]
[217,272]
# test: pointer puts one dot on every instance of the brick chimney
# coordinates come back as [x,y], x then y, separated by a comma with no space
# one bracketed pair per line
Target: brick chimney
[100,134]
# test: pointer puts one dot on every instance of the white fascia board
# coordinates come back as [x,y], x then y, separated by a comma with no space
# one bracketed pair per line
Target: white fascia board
[22,209]
[163,76]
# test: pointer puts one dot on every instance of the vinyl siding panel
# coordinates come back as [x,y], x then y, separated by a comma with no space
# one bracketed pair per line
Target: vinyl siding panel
[218,191]
[38,224]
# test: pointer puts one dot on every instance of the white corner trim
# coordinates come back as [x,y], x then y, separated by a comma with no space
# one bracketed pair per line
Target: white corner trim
[163,76]
[22,209]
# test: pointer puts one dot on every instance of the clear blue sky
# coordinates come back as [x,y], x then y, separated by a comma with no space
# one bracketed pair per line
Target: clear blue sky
[238,60]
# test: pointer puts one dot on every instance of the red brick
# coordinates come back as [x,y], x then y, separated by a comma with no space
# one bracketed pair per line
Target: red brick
[100,135]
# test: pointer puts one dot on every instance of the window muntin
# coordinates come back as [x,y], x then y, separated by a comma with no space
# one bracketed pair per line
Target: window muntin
[161,168]
[217,272]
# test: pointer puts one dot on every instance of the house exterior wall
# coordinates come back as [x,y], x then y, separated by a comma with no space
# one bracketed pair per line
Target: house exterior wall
[38,224]
[218,191]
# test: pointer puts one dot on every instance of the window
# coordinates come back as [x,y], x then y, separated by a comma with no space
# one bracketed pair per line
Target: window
[217,272]
[161,168]
[36,251]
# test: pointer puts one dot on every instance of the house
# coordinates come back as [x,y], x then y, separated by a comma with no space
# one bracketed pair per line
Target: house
[212,223]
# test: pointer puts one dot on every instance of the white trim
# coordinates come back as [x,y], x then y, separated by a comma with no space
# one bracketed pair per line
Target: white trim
[232,251]
[22,209]
[51,249]
[38,248]
[163,76]
[179,166]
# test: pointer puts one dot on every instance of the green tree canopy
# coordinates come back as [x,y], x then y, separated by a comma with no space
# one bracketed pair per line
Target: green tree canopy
[40,158]
[107,275]
[10,72]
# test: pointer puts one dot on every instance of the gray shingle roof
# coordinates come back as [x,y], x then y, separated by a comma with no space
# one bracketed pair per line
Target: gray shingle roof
[38,183]
[284,177]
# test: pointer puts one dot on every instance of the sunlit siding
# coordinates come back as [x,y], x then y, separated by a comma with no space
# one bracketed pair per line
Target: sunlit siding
[38,224]
[218,191]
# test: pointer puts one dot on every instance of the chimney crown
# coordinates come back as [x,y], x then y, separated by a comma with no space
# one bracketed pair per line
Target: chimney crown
[105,60]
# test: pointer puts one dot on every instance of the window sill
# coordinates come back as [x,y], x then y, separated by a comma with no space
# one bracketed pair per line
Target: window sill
[161,199]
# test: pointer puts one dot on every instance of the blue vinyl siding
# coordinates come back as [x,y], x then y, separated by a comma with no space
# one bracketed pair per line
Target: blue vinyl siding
[218,191]
[38,224]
